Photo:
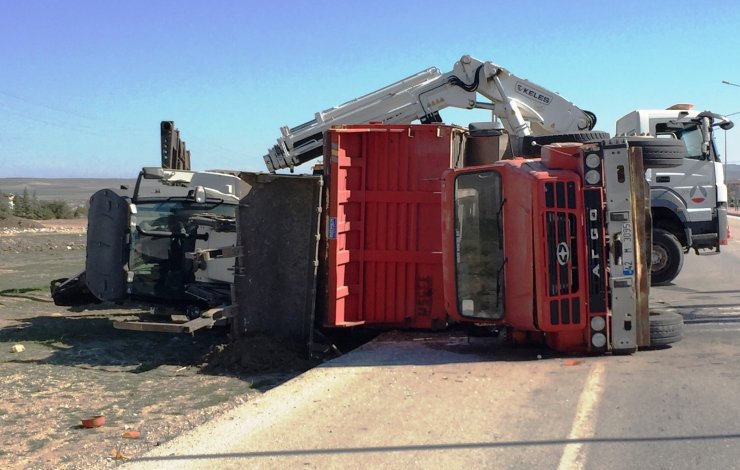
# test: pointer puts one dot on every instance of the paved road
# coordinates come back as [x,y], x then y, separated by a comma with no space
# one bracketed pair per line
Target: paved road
[707,284]
[450,402]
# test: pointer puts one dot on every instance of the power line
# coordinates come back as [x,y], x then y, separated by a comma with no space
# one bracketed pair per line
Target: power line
[94,120]
[59,110]
[62,125]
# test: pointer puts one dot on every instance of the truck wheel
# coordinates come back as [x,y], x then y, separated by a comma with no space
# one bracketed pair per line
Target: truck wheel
[666,258]
[659,153]
[665,327]
[532,145]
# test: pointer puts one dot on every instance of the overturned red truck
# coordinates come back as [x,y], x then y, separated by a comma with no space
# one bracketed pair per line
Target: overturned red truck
[553,249]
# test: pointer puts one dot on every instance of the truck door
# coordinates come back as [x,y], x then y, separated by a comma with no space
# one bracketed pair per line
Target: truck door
[691,184]
[107,245]
[473,254]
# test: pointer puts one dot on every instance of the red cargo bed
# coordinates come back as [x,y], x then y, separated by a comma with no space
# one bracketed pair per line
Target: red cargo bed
[384,226]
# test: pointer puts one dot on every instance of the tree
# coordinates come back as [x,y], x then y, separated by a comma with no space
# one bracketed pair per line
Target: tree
[59,209]
[23,204]
[33,205]
[42,211]
[80,211]
[4,206]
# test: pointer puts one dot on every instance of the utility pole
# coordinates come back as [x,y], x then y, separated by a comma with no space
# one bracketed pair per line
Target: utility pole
[725,82]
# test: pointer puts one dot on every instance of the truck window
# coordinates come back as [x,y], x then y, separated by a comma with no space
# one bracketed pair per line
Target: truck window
[691,137]
[479,245]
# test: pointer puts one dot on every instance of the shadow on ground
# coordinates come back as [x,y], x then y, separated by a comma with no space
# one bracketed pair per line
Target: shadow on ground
[85,338]
[91,341]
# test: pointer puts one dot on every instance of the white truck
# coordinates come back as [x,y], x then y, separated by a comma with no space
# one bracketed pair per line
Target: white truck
[688,201]
[689,211]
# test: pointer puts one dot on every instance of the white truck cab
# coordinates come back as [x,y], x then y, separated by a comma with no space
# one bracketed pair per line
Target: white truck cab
[689,201]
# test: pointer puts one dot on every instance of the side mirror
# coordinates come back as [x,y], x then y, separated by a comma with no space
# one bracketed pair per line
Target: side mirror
[200,194]
[727,125]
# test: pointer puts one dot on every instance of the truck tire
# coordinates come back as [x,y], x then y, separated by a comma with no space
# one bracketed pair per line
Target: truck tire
[666,259]
[659,153]
[665,327]
[532,145]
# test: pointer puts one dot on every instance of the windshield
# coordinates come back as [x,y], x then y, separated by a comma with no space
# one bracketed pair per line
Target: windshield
[692,138]
[479,245]
[164,231]
[160,189]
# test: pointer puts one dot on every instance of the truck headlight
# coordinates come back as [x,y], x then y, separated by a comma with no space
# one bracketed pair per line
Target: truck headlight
[593,177]
[598,340]
[598,323]
[593,160]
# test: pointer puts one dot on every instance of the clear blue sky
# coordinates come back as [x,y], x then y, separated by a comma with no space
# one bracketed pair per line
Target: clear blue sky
[84,84]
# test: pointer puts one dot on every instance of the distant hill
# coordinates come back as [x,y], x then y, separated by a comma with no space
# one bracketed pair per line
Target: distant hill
[75,191]
[733,171]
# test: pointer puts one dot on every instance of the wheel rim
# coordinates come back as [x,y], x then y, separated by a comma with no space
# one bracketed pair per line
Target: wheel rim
[659,258]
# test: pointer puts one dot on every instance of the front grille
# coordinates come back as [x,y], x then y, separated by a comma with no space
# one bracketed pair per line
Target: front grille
[565,311]
[562,224]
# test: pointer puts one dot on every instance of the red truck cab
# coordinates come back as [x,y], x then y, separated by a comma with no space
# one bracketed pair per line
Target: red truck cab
[546,247]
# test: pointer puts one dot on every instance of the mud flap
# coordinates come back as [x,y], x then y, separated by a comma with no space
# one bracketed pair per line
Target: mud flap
[107,245]
[275,279]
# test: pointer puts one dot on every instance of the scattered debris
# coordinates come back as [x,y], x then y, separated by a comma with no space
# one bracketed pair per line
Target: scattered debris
[117,455]
[132,434]
[572,362]
[93,422]
[17,348]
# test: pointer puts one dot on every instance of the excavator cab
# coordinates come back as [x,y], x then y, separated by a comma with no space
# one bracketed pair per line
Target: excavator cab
[162,244]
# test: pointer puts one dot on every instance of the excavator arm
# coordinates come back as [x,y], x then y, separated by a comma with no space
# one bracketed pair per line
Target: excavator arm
[523,107]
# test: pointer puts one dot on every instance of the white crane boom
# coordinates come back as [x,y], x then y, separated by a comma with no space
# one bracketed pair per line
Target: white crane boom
[523,107]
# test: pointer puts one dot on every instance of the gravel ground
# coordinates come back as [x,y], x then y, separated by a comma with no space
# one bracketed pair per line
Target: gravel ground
[59,365]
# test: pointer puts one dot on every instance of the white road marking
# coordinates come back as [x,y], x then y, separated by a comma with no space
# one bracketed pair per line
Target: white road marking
[584,422]
[722,327]
[717,311]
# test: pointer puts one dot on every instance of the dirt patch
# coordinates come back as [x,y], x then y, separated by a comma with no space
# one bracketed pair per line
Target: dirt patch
[75,365]
[28,236]
[12,224]
[64,225]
